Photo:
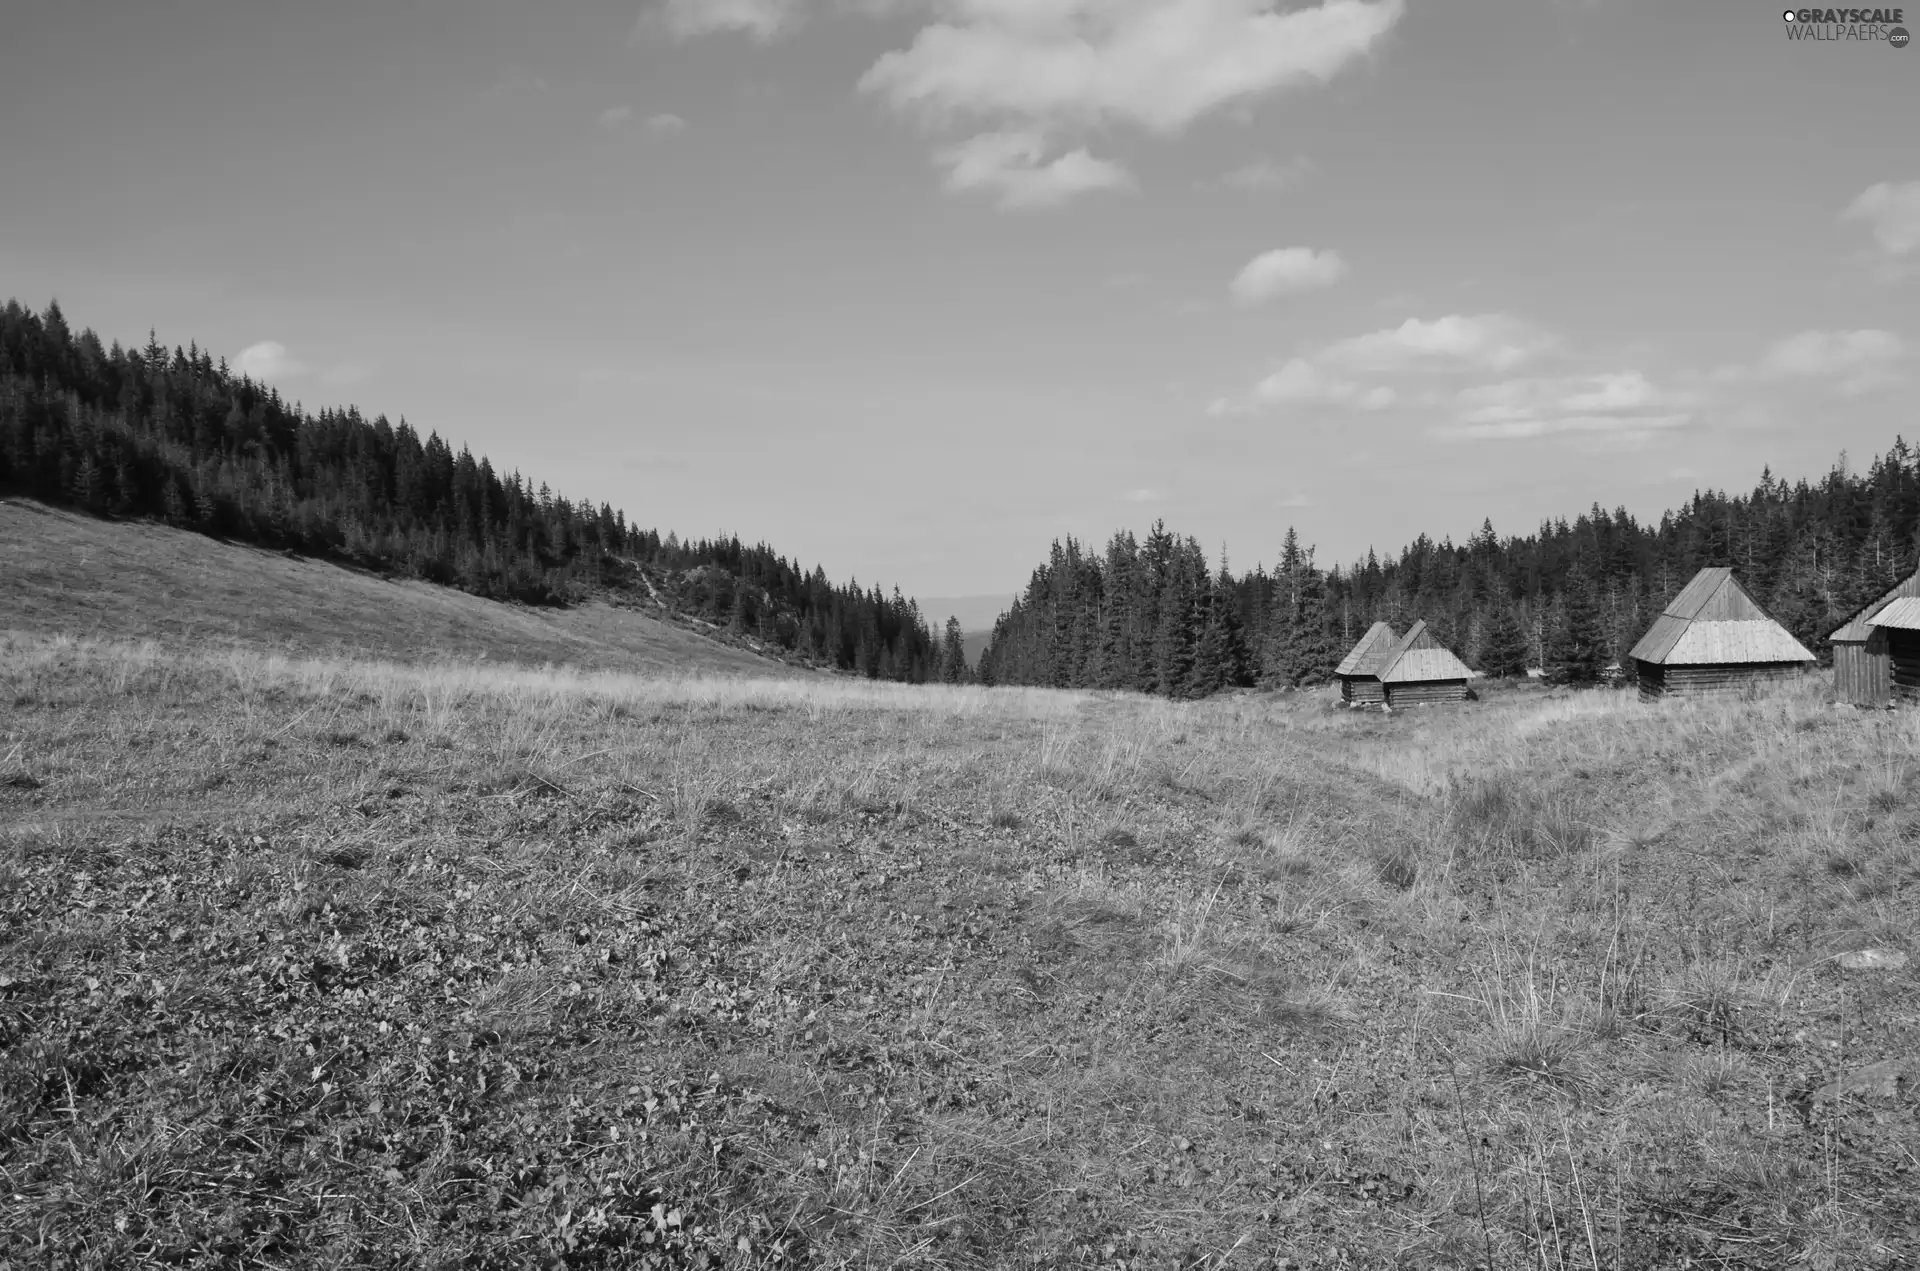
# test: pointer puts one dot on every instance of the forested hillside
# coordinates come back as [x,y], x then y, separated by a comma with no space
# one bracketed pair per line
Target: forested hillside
[176,435]
[1151,615]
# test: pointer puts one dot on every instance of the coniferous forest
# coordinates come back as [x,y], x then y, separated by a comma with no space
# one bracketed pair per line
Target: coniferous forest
[1569,599]
[176,435]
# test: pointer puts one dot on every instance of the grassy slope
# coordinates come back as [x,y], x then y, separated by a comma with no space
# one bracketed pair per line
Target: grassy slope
[63,572]
[334,963]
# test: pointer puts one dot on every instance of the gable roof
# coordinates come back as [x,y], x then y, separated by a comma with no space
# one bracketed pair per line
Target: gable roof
[1855,628]
[1365,657]
[1902,613]
[1419,657]
[1713,621]
[1699,593]
[1724,643]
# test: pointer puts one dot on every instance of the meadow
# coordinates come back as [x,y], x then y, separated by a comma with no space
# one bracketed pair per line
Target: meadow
[329,961]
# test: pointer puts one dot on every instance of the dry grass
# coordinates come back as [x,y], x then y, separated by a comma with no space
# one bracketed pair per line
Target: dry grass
[324,961]
[106,579]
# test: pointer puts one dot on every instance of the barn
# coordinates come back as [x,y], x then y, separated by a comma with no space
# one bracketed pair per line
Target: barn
[1862,668]
[1714,638]
[1359,671]
[1418,670]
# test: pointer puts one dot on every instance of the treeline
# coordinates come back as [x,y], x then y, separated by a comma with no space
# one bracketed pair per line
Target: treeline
[1570,599]
[178,436]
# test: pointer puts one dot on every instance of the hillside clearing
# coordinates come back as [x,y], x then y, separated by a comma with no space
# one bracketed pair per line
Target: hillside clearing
[68,572]
[322,961]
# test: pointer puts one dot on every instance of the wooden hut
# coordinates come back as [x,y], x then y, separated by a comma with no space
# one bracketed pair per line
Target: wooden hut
[1418,670]
[1862,668]
[1897,627]
[1359,671]
[1714,638]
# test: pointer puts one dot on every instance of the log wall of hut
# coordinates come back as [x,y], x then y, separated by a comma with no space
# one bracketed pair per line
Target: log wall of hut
[1652,679]
[1702,681]
[1903,653]
[1364,692]
[1426,692]
[1862,671]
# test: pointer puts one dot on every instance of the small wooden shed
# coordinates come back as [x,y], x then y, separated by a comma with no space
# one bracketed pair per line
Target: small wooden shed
[1359,671]
[1898,626]
[1714,638]
[1419,670]
[1862,669]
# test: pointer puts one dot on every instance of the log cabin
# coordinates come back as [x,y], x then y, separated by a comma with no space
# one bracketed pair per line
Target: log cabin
[1714,638]
[1419,671]
[1898,627]
[1359,671]
[1862,665]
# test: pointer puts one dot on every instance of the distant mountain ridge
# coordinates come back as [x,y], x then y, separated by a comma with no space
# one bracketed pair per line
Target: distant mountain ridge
[976,613]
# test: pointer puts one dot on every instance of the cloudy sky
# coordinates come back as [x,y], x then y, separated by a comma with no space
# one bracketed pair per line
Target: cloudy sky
[910,287]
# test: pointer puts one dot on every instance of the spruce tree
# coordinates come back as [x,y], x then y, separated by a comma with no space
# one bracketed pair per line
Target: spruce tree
[1505,652]
[1209,672]
[1313,654]
[953,655]
[1580,651]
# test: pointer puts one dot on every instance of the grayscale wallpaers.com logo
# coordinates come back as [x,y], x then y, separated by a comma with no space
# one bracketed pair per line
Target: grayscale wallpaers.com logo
[1820,25]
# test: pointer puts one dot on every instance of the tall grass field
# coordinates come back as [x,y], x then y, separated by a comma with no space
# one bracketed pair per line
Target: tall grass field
[338,962]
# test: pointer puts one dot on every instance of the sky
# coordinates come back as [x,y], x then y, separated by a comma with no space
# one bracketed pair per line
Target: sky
[910,288]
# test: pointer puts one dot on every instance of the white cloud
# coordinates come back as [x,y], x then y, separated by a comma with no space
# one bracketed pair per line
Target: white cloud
[1286,271]
[665,124]
[1624,405]
[1893,212]
[1302,383]
[1349,372]
[1854,361]
[1058,68]
[1494,342]
[1263,174]
[1158,63]
[1145,495]
[1013,165]
[761,19]
[267,360]
[616,117]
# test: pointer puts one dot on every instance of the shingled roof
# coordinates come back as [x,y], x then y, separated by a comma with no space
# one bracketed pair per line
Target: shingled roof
[1902,614]
[1417,657]
[1365,657]
[1714,622]
[1857,623]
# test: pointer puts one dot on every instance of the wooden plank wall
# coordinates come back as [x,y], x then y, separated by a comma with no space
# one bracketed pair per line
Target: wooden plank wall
[1862,672]
[1903,656]
[1363,691]
[1712,681]
[1704,681]
[1652,682]
[1426,692]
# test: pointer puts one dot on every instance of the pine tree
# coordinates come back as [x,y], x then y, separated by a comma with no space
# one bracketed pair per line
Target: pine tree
[1299,650]
[1177,632]
[1208,673]
[1313,654]
[953,655]
[1580,650]
[1505,653]
[88,487]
